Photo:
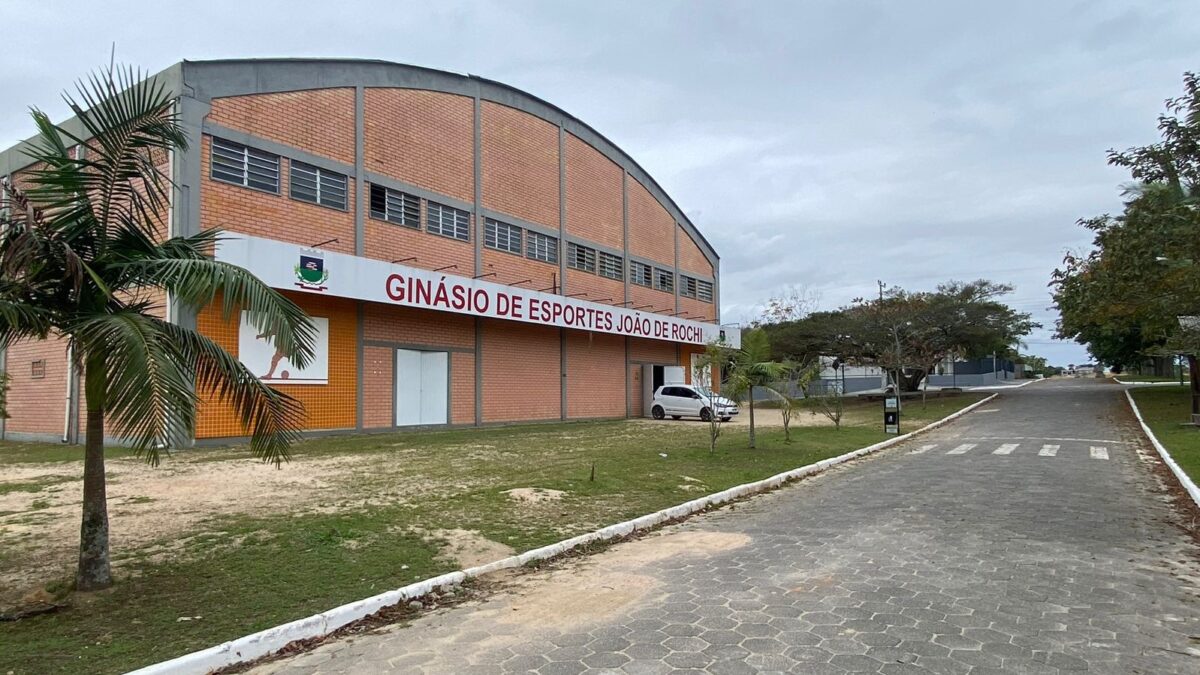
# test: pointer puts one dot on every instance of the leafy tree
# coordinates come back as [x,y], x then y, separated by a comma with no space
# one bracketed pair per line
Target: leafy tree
[81,257]
[1124,298]
[751,367]
[909,333]
[716,357]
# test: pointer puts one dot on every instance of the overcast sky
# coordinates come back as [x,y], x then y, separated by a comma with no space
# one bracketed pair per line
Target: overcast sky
[824,144]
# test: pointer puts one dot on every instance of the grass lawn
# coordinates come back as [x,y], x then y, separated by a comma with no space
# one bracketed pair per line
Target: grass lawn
[386,517]
[1129,377]
[1165,409]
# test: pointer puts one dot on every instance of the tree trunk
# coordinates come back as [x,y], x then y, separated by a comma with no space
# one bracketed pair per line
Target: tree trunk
[95,571]
[751,418]
[911,381]
[1194,374]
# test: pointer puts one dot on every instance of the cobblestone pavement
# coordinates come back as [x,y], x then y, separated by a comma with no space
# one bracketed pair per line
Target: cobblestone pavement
[1030,536]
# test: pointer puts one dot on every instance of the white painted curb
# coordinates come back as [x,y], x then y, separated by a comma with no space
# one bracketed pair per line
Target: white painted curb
[265,642]
[1149,384]
[1001,387]
[1184,479]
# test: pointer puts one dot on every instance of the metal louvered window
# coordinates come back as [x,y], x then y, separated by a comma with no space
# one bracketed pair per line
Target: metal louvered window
[502,236]
[395,206]
[664,280]
[313,184]
[542,247]
[612,266]
[687,286]
[581,257]
[235,163]
[639,273]
[704,291]
[447,221]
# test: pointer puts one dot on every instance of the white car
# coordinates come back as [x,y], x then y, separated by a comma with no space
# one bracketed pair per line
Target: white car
[680,400]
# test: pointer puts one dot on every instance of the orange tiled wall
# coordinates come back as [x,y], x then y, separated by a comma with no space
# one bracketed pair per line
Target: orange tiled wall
[328,406]
[379,366]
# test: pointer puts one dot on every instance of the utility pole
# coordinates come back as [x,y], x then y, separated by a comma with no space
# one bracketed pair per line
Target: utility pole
[881,286]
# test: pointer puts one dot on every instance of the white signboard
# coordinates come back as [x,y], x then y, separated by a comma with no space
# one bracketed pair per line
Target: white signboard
[257,352]
[288,266]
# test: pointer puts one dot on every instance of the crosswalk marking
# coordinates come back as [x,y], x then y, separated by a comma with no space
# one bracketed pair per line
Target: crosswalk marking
[923,448]
[1099,452]
[1048,451]
[962,449]
[1005,449]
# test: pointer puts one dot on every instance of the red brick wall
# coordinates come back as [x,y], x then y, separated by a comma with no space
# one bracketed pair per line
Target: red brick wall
[593,195]
[596,287]
[696,309]
[511,268]
[659,301]
[521,378]
[422,327]
[37,406]
[420,137]
[386,241]
[240,209]
[318,120]
[595,381]
[462,388]
[520,164]
[379,365]
[691,259]
[652,351]
[651,228]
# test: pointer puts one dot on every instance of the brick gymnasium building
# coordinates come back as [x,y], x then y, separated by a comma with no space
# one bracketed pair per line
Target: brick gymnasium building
[471,254]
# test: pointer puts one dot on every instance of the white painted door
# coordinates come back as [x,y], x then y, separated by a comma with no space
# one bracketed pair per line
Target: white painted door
[421,387]
[435,373]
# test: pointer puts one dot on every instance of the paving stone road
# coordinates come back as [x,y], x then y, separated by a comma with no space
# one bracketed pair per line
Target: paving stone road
[1030,536]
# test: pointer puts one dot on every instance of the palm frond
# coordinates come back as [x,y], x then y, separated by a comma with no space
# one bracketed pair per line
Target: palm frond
[197,281]
[148,392]
[272,417]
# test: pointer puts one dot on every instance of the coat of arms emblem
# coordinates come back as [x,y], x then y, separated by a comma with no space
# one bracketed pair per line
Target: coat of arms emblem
[310,271]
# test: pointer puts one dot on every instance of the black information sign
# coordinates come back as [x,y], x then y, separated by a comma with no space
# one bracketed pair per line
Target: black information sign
[891,414]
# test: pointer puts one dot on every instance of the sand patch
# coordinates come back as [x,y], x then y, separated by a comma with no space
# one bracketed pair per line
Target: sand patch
[534,495]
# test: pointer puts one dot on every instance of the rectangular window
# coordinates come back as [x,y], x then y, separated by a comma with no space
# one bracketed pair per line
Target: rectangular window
[639,273]
[318,186]
[581,257]
[612,266]
[664,280]
[687,286]
[235,163]
[447,221]
[502,236]
[704,291]
[542,247]
[395,206]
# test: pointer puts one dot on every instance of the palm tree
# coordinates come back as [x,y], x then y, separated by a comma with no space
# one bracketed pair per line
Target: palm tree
[750,367]
[82,256]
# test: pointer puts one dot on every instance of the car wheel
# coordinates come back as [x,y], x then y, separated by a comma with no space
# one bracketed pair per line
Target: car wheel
[675,417]
[657,412]
[726,419]
[706,415]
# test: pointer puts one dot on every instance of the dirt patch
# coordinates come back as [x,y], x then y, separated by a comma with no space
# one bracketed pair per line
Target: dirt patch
[534,495]
[146,505]
[468,548]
